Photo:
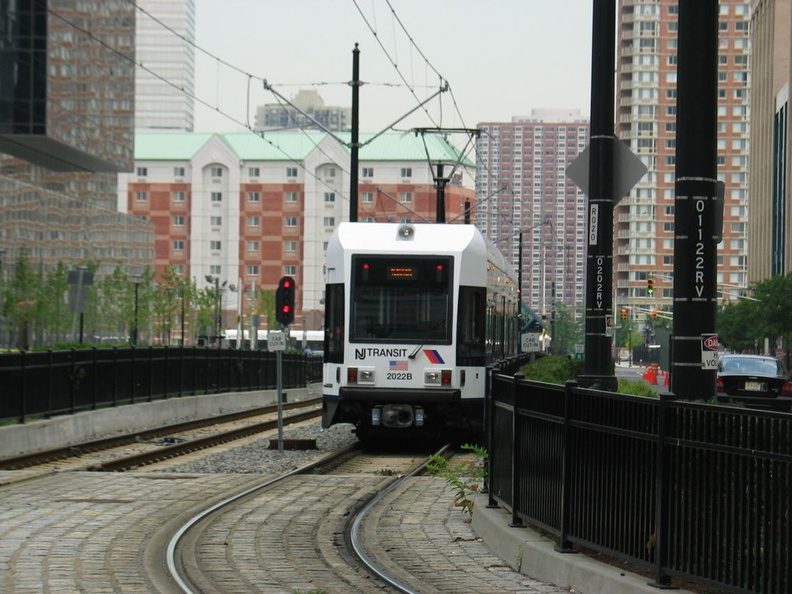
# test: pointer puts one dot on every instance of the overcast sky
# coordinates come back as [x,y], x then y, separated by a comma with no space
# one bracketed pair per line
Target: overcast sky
[500,57]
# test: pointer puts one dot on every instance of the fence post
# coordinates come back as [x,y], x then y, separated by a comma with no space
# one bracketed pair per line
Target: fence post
[564,546]
[115,376]
[73,380]
[23,395]
[489,427]
[150,367]
[516,458]
[95,391]
[132,375]
[664,419]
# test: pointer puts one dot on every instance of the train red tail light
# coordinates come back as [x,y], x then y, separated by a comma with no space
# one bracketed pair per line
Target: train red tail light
[352,375]
[445,377]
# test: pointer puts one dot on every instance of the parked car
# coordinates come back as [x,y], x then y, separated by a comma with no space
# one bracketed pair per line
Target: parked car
[756,381]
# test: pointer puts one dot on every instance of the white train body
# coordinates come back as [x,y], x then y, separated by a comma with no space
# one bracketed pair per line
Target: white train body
[414,313]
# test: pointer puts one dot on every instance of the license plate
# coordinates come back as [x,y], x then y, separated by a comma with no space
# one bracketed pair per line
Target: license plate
[753,386]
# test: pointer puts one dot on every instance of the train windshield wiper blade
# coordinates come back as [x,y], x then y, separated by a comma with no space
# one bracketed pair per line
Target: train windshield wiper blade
[425,338]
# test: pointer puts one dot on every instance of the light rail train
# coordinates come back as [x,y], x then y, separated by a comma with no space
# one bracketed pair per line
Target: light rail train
[413,315]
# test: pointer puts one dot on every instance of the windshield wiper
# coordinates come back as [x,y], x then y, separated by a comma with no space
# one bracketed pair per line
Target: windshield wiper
[425,338]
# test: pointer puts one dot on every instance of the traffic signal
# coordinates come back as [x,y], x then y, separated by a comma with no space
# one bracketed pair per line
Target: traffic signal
[284,301]
[654,314]
[623,313]
[650,287]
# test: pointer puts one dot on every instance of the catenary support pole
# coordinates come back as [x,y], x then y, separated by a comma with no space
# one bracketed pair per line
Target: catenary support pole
[696,202]
[598,369]
[355,143]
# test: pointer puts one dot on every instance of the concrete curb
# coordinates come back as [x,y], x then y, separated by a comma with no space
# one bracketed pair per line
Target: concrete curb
[66,430]
[528,552]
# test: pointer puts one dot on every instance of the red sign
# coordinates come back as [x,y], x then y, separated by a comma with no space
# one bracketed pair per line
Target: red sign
[710,341]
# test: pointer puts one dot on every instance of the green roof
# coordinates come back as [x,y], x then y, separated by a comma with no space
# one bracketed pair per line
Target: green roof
[296,146]
[168,146]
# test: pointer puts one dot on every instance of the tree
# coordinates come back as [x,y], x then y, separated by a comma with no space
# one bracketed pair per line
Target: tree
[567,330]
[738,325]
[774,315]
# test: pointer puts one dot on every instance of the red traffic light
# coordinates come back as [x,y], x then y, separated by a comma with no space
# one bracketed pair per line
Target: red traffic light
[284,301]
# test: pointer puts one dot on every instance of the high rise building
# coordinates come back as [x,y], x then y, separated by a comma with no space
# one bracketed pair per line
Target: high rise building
[646,121]
[770,223]
[307,110]
[66,129]
[165,33]
[529,208]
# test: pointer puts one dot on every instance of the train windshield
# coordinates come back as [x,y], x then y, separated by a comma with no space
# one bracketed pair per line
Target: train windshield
[401,299]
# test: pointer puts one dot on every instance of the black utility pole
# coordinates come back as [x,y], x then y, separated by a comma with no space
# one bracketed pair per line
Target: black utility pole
[598,370]
[696,202]
[440,184]
[353,177]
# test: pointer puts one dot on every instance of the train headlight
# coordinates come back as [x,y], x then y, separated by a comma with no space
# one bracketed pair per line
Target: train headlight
[432,377]
[406,232]
[365,376]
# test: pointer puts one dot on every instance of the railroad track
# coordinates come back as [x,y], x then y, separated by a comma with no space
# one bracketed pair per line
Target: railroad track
[324,515]
[133,450]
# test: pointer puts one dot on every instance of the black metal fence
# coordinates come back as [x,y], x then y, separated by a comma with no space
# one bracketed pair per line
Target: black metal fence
[59,382]
[686,490]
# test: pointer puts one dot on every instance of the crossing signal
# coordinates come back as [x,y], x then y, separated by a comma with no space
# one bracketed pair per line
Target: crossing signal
[623,313]
[654,314]
[284,301]
[650,287]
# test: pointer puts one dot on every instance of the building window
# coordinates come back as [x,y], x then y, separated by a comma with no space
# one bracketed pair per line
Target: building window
[291,172]
[368,196]
[368,172]
[178,172]
[215,245]
[215,269]
[406,172]
[254,172]
[290,246]
[253,221]
[291,221]
[178,269]
[329,221]
[142,171]
[290,270]
[217,172]
[178,220]
[291,196]
[178,245]
[254,196]
[216,221]
[405,196]
[253,270]
[178,196]
[253,246]
[329,171]
[329,197]
[141,196]
[217,196]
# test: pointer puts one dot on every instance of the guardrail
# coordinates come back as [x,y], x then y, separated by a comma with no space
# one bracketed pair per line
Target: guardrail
[686,490]
[36,384]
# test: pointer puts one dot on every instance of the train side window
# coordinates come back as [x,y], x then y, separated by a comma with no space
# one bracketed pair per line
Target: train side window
[334,323]
[471,326]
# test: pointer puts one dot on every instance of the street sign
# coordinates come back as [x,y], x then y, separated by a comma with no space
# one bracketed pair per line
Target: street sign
[608,325]
[709,351]
[530,342]
[628,169]
[276,340]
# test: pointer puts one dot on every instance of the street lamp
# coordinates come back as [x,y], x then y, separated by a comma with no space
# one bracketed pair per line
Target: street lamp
[136,278]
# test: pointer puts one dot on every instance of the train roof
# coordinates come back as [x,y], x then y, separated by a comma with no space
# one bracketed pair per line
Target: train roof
[419,238]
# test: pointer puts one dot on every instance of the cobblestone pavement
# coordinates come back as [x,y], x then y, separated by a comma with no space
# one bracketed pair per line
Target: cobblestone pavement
[97,533]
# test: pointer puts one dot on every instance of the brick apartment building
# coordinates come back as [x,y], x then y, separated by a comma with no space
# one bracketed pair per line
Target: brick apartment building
[247,210]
